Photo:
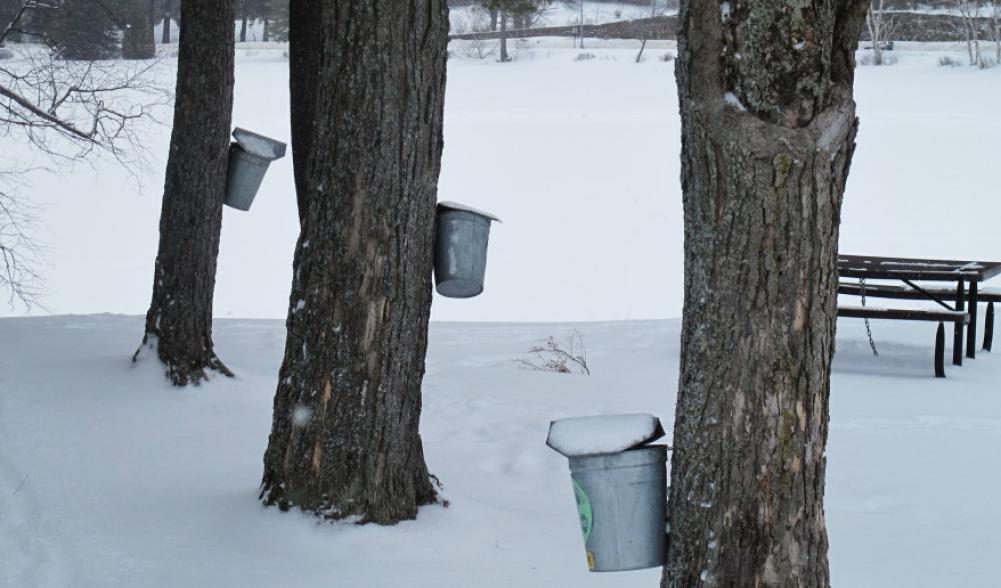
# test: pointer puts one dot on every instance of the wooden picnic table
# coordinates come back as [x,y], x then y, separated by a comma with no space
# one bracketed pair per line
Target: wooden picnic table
[964,273]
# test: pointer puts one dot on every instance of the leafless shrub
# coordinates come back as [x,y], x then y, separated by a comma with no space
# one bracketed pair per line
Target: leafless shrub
[667,56]
[986,63]
[946,61]
[584,57]
[563,357]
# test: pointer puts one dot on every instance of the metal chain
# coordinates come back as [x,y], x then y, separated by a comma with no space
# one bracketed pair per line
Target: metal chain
[868,330]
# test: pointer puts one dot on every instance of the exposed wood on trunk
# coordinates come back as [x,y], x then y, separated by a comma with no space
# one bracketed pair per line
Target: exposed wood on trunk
[768,130]
[179,321]
[367,85]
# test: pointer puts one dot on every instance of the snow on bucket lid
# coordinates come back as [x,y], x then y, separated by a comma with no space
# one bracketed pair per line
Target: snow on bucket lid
[259,145]
[458,206]
[592,435]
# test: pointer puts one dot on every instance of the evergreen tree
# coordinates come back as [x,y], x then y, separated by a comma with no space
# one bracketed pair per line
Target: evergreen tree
[8,12]
[82,29]
[278,20]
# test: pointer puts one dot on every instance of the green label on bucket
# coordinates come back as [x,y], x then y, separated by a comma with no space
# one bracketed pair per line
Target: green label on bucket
[584,510]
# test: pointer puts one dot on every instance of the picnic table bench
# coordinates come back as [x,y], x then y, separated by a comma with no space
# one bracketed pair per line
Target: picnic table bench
[964,296]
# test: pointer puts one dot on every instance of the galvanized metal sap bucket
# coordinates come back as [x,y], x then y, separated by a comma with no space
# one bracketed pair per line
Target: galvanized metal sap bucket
[460,249]
[621,499]
[249,158]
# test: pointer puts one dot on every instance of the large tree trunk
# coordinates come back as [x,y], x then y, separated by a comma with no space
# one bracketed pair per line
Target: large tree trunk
[367,86]
[179,321]
[138,40]
[243,29]
[768,131]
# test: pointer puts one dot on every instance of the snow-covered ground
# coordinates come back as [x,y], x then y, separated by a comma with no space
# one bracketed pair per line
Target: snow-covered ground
[580,159]
[108,477]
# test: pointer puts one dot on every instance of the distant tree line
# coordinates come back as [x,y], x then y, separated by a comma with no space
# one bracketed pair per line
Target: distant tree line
[107,29]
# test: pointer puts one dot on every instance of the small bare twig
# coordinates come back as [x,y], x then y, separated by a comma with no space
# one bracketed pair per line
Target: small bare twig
[21,485]
[559,357]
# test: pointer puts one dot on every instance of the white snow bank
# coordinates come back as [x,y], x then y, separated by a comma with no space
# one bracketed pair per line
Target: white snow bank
[613,433]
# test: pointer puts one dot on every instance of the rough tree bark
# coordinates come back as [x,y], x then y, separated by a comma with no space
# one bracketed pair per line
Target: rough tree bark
[367,86]
[768,132]
[179,321]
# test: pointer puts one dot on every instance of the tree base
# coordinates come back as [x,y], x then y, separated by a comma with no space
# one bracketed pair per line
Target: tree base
[381,510]
[183,370]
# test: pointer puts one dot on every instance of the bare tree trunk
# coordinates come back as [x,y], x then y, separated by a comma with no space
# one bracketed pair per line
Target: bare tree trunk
[768,131]
[874,22]
[493,19]
[996,28]
[367,85]
[503,36]
[179,321]
[970,14]
[243,29]
[165,36]
[266,34]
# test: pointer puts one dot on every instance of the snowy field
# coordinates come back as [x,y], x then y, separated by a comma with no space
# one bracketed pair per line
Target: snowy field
[110,478]
[580,159]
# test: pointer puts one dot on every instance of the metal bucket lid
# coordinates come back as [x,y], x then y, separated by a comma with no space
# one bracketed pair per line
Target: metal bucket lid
[457,206]
[604,434]
[259,145]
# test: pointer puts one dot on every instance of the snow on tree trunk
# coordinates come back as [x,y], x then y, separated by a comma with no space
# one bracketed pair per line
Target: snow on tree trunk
[367,86]
[179,321]
[768,131]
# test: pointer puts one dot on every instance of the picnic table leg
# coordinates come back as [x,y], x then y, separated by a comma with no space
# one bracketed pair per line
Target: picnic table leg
[957,340]
[989,326]
[971,333]
[940,351]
